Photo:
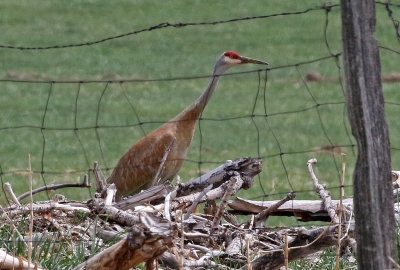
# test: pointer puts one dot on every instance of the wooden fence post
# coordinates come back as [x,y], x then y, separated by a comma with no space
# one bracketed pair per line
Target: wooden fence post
[373,206]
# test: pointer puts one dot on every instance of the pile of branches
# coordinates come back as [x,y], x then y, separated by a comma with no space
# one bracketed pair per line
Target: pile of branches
[162,228]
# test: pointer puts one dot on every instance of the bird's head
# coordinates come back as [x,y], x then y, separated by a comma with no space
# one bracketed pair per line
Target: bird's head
[230,58]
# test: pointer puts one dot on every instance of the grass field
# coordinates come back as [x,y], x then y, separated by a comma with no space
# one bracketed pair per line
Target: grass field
[295,125]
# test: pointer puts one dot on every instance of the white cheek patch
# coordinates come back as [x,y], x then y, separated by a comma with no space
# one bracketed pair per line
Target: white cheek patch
[232,61]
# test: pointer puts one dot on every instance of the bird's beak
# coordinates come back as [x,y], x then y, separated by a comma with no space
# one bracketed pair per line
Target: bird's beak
[246,60]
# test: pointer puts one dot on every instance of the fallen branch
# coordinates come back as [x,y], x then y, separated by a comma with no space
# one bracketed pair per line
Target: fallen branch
[323,194]
[146,196]
[11,194]
[224,201]
[197,201]
[110,194]
[8,262]
[98,206]
[144,243]
[246,167]
[84,184]
[305,242]
[304,210]
[41,208]
[263,215]
[101,183]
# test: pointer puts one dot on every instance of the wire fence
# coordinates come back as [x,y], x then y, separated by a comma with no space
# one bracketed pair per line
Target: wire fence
[76,118]
[262,74]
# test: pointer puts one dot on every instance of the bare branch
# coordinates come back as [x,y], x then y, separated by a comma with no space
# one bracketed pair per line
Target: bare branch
[11,193]
[111,191]
[162,162]
[323,194]
[84,184]
[263,215]
[197,201]
[99,178]
[224,201]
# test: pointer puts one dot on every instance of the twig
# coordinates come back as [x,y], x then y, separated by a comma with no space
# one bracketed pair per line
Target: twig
[111,191]
[340,211]
[170,196]
[99,178]
[224,200]
[162,162]
[42,208]
[11,193]
[31,213]
[251,222]
[286,252]
[196,201]
[5,215]
[263,215]
[84,184]
[323,194]
[182,255]
[348,227]
[196,235]
[249,267]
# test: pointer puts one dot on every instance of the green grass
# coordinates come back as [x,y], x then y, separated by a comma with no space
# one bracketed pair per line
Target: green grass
[60,250]
[177,52]
[326,260]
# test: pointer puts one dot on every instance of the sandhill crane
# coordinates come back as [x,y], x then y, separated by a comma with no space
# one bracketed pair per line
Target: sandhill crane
[138,167]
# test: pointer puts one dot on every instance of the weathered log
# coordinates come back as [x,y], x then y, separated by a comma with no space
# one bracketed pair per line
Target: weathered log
[305,210]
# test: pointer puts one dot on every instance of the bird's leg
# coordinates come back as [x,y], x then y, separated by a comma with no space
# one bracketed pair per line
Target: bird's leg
[162,162]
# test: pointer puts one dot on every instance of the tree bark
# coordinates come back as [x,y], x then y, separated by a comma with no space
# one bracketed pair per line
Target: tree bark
[373,207]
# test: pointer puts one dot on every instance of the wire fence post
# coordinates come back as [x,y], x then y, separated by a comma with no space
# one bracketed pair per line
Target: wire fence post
[373,206]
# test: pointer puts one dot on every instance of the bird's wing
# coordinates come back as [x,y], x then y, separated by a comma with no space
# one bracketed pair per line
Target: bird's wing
[137,168]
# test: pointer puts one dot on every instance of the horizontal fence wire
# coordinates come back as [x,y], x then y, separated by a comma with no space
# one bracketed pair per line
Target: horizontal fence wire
[169,25]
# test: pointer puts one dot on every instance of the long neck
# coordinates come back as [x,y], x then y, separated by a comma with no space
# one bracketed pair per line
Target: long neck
[193,111]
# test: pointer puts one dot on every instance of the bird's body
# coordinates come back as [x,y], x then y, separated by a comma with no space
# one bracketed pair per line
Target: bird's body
[139,165]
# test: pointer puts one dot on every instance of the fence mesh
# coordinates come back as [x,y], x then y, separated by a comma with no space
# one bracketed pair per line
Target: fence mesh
[284,114]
